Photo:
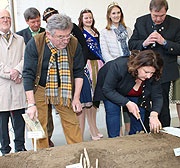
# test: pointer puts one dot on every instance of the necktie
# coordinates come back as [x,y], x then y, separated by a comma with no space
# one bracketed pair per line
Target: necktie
[6,36]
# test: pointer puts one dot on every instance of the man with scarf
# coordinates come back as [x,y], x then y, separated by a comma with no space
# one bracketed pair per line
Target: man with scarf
[53,74]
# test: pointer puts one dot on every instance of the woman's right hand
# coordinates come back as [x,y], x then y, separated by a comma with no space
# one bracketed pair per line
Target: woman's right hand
[133,108]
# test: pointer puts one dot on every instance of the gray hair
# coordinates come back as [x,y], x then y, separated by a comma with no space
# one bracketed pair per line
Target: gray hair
[157,5]
[60,22]
[31,13]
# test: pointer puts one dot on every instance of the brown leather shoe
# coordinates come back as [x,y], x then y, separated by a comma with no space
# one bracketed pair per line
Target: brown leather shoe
[51,144]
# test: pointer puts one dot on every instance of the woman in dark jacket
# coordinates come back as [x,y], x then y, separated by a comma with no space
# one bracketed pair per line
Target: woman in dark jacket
[131,82]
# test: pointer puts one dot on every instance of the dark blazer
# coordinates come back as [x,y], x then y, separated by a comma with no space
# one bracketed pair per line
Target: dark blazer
[170,30]
[26,33]
[114,83]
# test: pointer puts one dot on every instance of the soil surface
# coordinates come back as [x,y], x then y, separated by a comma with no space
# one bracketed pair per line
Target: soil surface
[137,151]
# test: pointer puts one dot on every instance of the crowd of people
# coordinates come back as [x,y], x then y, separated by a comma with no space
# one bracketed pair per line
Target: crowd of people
[73,68]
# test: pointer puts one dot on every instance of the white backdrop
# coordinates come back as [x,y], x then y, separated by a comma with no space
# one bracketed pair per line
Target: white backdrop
[131,9]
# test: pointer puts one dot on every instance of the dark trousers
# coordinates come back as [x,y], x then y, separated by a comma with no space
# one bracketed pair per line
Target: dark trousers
[136,124]
[18,126]
[164,116]
[113,112]
[50,125]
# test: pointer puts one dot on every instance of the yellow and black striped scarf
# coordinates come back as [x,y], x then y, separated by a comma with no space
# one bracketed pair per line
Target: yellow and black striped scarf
[51,91]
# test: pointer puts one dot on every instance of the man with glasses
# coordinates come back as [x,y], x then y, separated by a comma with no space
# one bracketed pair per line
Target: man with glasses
[53,74]
[12,94]
[32,18]
[161,33]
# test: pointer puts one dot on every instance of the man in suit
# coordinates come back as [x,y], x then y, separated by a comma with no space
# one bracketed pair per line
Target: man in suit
[161,33]
[32,18]
[12,94]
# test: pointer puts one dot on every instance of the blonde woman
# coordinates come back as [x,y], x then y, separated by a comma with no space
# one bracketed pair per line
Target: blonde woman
[114,43]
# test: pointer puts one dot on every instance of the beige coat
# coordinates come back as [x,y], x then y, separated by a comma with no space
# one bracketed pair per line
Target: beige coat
[12,96]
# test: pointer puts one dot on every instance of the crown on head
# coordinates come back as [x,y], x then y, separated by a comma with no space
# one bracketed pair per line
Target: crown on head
[113,4]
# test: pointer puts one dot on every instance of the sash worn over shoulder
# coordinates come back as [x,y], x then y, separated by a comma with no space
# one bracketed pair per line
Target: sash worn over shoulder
[93,44]
[40,44]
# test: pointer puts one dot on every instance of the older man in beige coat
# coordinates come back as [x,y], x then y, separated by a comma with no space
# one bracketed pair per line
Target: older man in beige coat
[12,95]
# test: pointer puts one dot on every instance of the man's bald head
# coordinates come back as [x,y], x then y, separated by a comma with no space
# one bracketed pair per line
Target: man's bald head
[5,21]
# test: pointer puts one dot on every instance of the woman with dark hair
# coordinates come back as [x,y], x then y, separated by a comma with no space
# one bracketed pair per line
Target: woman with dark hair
[94,63]
[131,82]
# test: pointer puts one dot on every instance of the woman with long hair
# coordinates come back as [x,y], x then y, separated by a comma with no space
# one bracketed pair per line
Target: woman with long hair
[94,63]
[114,43]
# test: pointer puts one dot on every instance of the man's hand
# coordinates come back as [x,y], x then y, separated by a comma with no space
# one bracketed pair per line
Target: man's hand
[32,112]
[14,74]
[18,80]
[152,38]
[155,124]
[32,109]
[76,105]
[133,108]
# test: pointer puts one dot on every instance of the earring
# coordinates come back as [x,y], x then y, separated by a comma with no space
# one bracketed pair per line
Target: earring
[136,72]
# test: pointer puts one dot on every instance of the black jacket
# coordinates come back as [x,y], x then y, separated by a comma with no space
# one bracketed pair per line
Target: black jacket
[170,30]
[26,33]
[87,53]
[114,83]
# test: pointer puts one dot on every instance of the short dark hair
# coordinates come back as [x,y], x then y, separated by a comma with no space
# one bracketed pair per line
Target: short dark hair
[31,13]
[157,5]
[139,59]
[49,12]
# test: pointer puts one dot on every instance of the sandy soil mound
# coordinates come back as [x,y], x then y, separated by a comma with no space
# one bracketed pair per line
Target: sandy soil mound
[142,150]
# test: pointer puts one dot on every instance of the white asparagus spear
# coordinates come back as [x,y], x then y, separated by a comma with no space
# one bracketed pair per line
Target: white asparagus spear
[96,163]
[87,157]
[81,159]
[84,161]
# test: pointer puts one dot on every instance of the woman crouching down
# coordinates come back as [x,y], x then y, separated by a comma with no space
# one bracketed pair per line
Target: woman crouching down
[131,82]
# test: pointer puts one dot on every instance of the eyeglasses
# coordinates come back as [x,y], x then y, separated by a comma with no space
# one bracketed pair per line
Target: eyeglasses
[5,18]
[62,38]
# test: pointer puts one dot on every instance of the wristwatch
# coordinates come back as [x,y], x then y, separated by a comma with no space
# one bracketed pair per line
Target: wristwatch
[30,105]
